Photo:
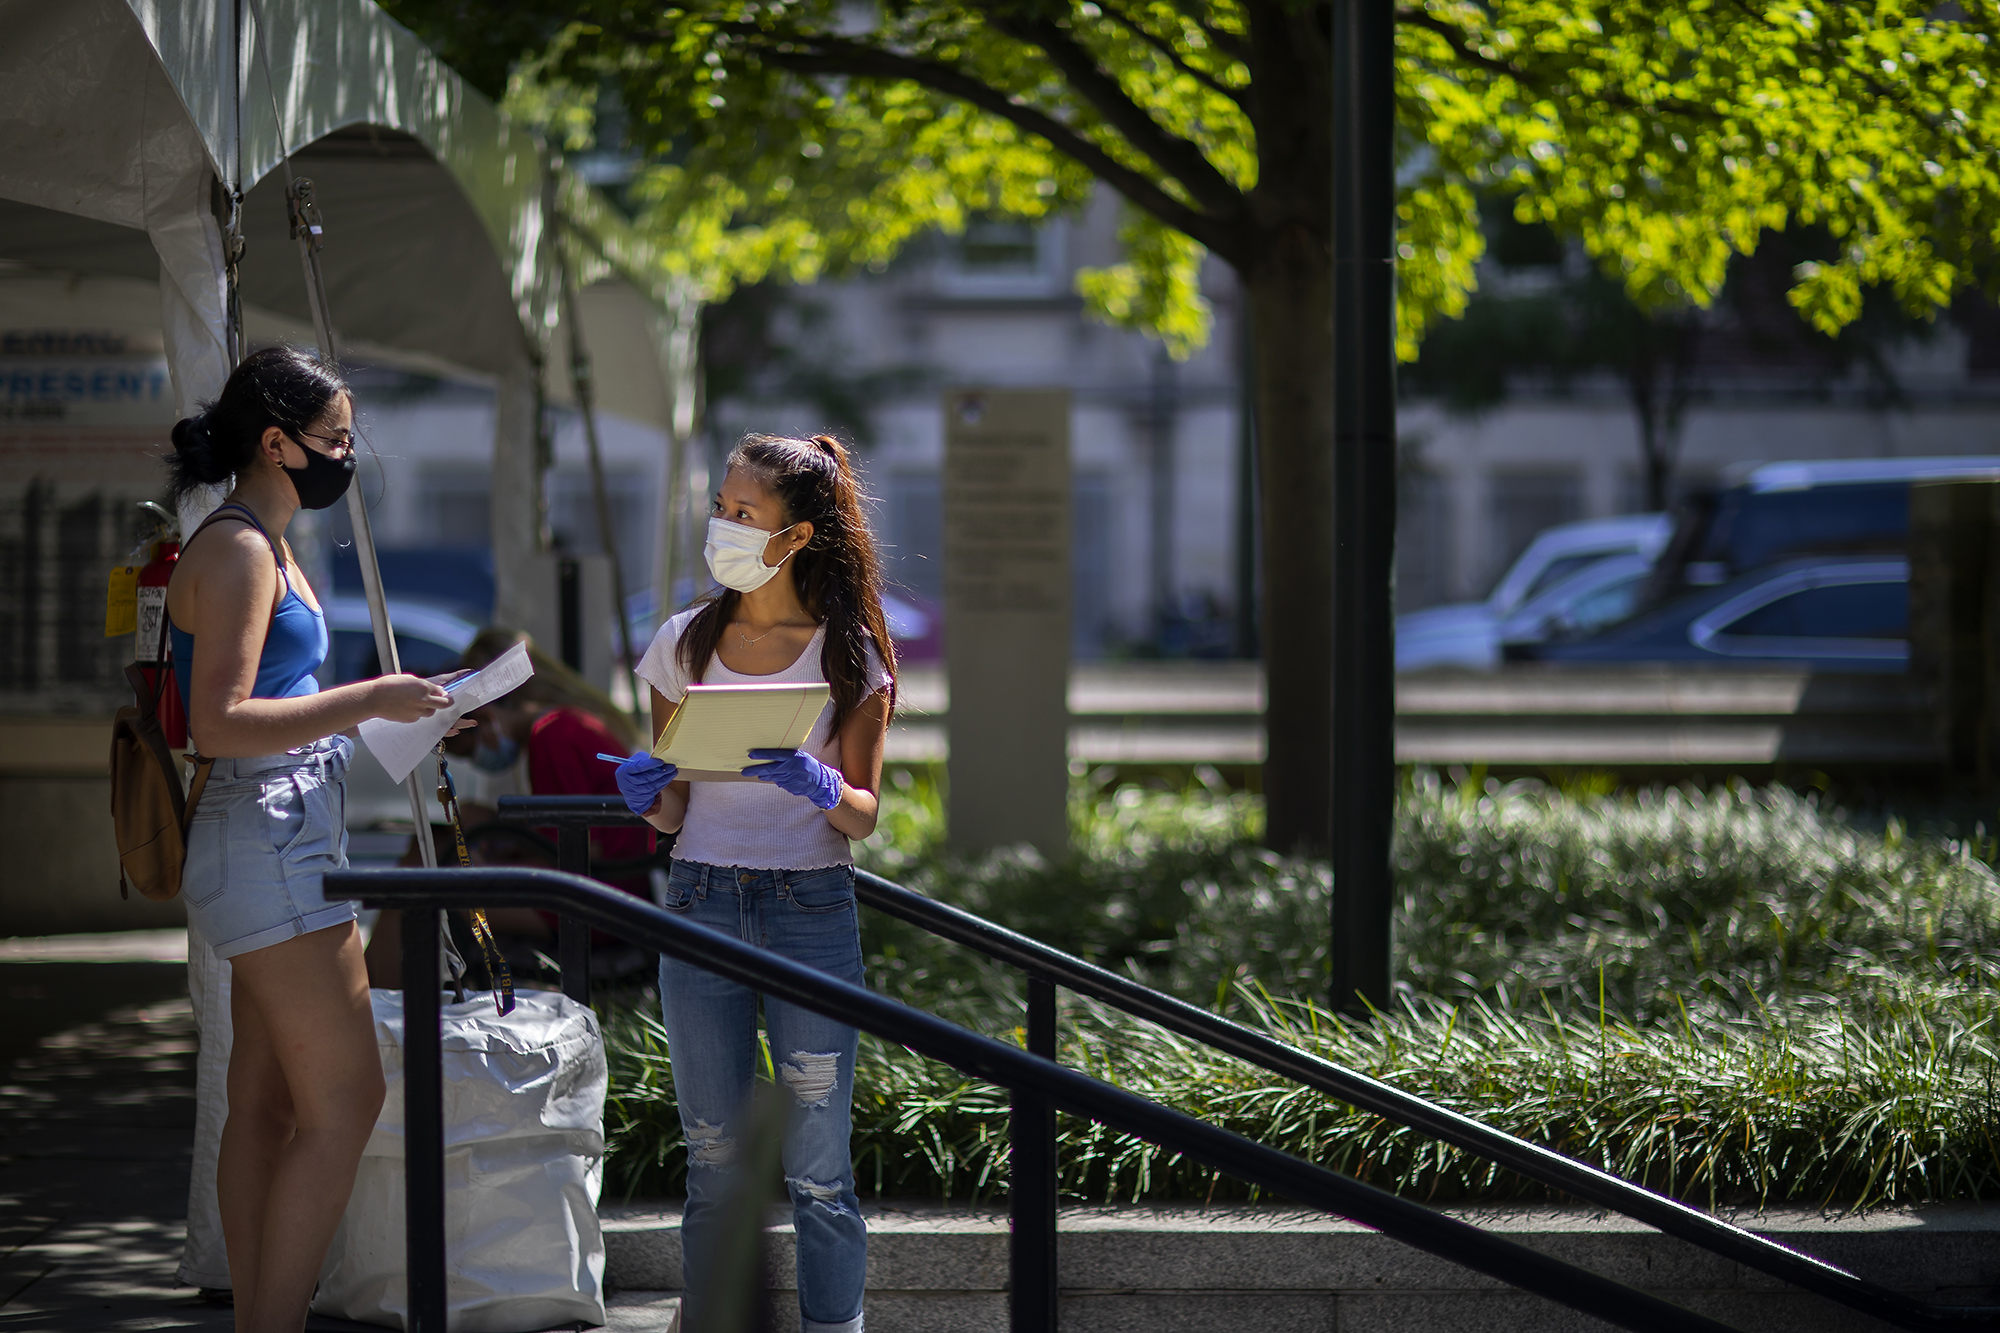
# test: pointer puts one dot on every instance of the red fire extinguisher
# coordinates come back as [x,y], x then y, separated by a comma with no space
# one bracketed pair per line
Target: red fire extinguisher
[159,671]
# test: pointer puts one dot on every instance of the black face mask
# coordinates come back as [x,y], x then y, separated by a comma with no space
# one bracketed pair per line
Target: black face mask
[322,481]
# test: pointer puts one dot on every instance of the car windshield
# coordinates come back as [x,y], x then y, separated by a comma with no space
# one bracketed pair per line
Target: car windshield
[1840,611]
[1752,529]
[353,657]
[1605,607]
[1559,569]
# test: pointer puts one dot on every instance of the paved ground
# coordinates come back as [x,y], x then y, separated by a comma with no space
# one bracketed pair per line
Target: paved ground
[96,1117]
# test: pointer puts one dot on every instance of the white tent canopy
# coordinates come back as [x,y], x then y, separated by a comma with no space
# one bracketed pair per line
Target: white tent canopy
[125,123]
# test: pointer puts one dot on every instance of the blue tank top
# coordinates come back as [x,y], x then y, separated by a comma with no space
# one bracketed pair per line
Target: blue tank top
[294,645]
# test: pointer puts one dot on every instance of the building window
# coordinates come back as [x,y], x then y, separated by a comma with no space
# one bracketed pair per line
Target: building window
[573,518]
[993,258]
[57,547]
[1090,565]
[999,247]
[1423,540]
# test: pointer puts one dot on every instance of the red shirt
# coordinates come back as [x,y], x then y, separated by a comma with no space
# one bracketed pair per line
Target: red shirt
[562,761]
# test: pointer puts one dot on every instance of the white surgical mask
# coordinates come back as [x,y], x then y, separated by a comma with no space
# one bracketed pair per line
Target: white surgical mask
[735,553]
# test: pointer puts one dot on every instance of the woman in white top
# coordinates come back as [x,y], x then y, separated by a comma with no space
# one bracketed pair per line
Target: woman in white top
[769,861]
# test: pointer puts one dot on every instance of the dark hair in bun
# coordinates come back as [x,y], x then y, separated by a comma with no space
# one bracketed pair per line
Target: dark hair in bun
[273,386]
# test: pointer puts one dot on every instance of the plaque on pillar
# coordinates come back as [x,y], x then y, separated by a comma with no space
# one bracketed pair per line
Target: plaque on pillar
[1007,614]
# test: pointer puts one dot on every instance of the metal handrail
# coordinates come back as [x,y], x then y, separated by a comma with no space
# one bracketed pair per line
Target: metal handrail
[420,892]
[1537,1163]
[1045,967]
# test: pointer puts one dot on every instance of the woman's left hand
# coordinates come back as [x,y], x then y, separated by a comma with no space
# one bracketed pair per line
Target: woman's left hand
[446,679]
[798,773]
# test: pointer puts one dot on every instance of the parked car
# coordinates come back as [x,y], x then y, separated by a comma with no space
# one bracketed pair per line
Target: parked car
[1826,614]
[916,625]
[429,639]
[1467,633]
[1783,511]
[1595,597]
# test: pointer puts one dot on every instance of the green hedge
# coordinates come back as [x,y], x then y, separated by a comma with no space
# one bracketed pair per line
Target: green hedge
[1732,995]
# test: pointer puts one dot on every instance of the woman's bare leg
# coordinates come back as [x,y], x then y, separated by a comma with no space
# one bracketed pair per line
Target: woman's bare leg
[254,1134]
[305,1086]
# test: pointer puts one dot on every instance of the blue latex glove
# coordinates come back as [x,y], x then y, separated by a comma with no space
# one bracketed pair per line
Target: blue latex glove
[641,780]
[798,773]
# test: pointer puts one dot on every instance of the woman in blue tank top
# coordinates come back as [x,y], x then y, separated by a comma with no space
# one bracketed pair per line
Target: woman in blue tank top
[305,1078]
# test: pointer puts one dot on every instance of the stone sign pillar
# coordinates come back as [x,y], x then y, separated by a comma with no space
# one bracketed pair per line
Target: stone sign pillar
[1006,617]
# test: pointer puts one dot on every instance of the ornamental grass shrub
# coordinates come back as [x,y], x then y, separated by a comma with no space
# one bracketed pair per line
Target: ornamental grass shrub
[1736,996]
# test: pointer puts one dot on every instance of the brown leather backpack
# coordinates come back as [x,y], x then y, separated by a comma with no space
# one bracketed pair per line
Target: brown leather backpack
[149,812]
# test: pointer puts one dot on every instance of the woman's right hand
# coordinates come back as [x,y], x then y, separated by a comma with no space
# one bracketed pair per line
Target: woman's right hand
[406,698]
[641,779]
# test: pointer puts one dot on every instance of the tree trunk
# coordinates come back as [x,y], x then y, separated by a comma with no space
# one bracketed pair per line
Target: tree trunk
[1659,386]
[1291,306]
[1652,459]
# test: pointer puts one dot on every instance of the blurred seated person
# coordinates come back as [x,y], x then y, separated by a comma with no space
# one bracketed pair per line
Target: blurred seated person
[541,740]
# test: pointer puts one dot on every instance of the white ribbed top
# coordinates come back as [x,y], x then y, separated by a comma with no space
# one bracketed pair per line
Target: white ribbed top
[755,824]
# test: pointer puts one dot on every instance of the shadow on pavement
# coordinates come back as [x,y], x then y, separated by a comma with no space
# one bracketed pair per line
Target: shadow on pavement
[96,1119]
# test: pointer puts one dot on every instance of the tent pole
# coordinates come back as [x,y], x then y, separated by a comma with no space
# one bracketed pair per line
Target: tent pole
[308,232]
[586,406]
[675,351]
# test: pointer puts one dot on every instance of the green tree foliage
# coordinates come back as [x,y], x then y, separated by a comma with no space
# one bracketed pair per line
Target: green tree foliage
[799,137]
[1670,137]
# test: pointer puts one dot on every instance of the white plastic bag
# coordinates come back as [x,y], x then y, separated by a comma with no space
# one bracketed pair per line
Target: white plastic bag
[524,1155]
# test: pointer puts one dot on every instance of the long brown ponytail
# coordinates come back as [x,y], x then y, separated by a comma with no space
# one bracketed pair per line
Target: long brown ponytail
[836,574]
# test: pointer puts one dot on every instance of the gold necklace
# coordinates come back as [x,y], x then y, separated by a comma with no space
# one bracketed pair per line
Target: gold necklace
[749,642]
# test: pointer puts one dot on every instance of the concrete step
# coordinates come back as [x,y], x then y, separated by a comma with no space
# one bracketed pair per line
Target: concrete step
[1248,1269]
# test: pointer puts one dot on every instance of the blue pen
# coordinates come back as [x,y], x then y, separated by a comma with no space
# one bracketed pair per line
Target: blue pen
[614,758]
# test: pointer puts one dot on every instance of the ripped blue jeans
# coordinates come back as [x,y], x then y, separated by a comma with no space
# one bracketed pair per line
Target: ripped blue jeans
[809,917]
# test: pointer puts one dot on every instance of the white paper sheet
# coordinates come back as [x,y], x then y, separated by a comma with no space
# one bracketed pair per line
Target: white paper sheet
[400,746]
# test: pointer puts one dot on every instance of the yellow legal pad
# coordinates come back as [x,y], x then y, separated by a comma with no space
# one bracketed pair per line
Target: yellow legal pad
[710,736]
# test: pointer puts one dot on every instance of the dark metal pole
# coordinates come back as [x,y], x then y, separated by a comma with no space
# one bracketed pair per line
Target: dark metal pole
[1364,498]
[1247,644]
[573,936]
[1161,411]
[423,1121]
[1032,1201]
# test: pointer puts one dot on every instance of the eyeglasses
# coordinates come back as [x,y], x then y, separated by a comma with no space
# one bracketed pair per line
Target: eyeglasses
[343,439]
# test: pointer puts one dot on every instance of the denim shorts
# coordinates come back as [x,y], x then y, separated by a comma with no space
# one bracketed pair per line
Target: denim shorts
[263,835]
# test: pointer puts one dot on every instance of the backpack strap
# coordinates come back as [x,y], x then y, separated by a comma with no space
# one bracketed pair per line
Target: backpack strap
[148,731]
[242,514]
[195,788]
